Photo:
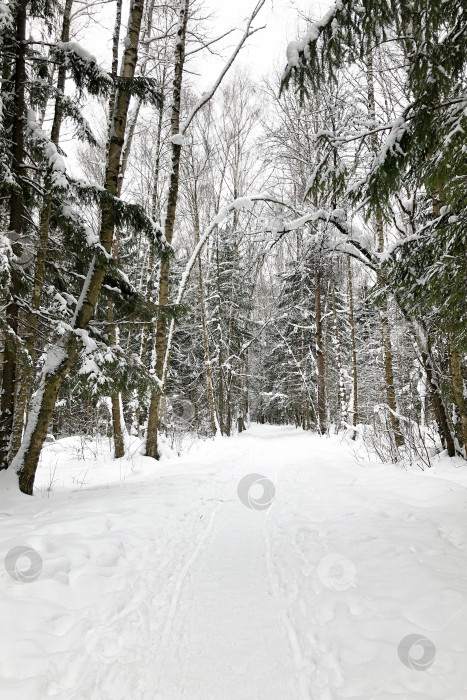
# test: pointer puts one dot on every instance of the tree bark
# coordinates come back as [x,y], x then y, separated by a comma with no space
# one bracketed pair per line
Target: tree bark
[220,359]
[115,402]
[163,298]
[427,361]
[204,329]
[150,270]
[10,359]
[354,350]
[24,388]
[455,366]
[438,406]
[340,368]
[379,231]
[389,373]
[326,360]
[64,354]
[320,356]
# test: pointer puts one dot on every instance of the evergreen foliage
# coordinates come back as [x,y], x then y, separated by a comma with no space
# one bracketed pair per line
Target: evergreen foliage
[423,147]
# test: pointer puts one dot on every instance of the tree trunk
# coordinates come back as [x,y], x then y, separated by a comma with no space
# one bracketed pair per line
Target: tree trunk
[379,231]
[115,402]
[163,297]
[63,355]
[354,350]
[24,388]
[9,375]
[155,211]
[204,329]
[340,368]
[426,358]
[117,428]
[389,374]
[144,334]
[114,68]
[455,366]
[220,359]
[326,362]
[438,406]
[320,357]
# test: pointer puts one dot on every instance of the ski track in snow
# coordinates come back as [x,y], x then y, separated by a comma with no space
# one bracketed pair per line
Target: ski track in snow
[165,586]
[166,640]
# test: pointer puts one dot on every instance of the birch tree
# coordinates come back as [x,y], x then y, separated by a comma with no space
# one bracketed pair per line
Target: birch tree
[64,353]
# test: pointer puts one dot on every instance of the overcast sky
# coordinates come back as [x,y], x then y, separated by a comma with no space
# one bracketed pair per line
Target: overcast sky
[264,51]
[266,48]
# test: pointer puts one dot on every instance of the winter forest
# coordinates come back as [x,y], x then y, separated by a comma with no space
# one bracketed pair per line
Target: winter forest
[233,344]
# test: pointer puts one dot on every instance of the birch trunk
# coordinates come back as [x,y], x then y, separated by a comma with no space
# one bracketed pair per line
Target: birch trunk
[320,356]
[64,354]
[163,297]
[385,329]
[354,350]
[220,359]
[326,363]
[119,444]
[389,373]
[340,368]
[144,335]
[150,268]
[204,328]
[115,401]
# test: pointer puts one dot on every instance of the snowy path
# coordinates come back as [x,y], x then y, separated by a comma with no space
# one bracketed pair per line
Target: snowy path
[227,639]
[168,586]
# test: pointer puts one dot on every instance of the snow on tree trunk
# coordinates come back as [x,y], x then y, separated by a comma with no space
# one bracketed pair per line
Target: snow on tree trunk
[18,125]
[119,445]
[64,353]
[354,404]
[321,389]
[455,366]
[24,388]
[340,366]
[172,197]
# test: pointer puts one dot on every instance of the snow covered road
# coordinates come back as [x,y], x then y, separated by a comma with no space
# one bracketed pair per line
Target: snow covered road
[345,580]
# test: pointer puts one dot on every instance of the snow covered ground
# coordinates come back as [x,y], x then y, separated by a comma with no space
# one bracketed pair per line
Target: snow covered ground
[328,578]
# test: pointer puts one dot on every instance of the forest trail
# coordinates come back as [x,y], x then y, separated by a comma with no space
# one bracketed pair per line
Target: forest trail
[187,581]
[229,609]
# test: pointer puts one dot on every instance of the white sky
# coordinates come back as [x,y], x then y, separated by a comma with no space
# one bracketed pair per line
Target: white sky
[264,50]
[267,47]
